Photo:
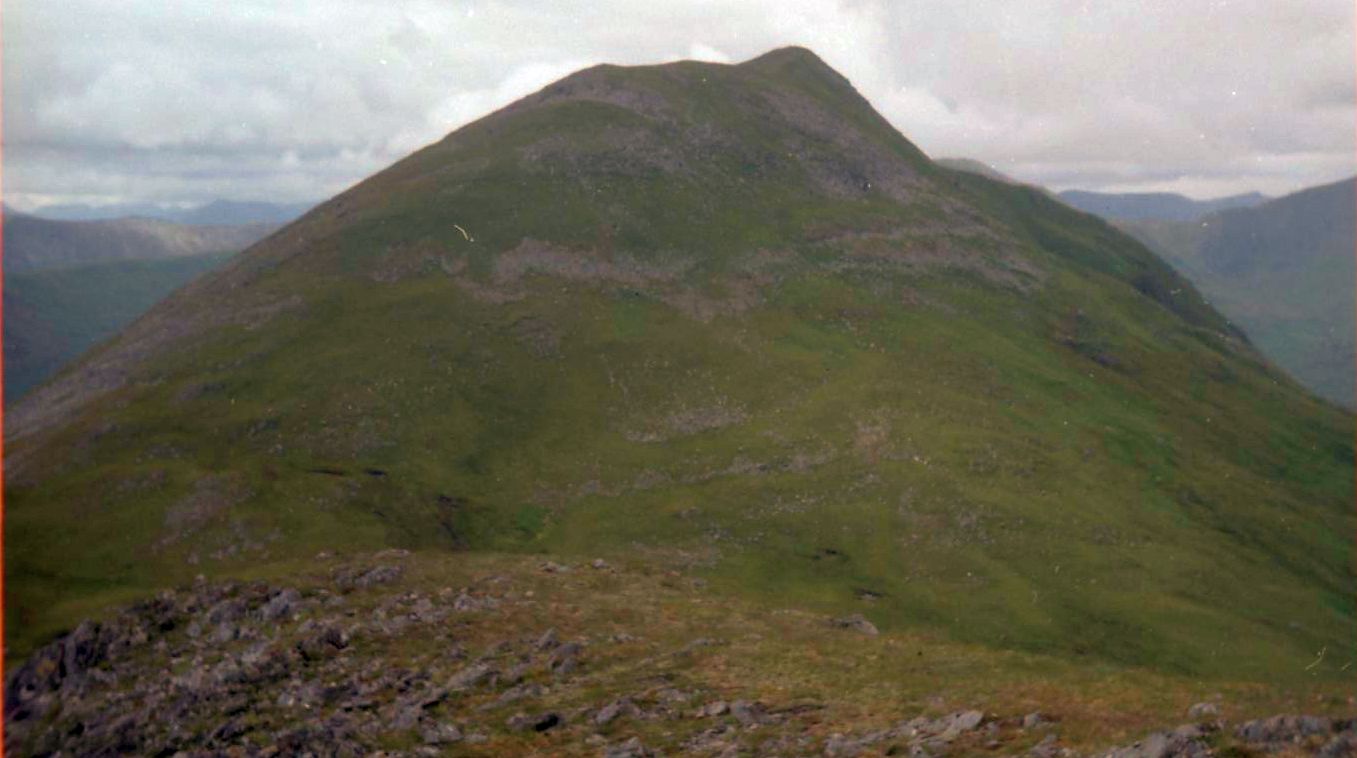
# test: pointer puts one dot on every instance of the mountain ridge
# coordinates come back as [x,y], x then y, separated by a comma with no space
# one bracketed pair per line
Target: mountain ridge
[1155,206]
[33,243]
[212,213]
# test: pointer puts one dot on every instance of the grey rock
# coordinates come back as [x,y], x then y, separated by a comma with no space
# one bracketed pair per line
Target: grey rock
[1203,711]
[224,633]
[1047,748]
[565,658]
[542,722]
[839,746]
[747,713]
[1186,741]
[515,675]
[959,723]
[857,622]
[471,676]
[520,692]
[357,578]
[608,713]
[548,640]
[1341,746]
[441,734]
[1282,729]
[632,748]
[468,603]
[325,642]
[281,605]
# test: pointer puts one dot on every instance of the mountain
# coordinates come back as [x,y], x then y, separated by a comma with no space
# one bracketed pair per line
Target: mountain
[54,315]
[34,244]
[1154,206]
[84,212]
[238,212]
[976,167]
[1284,272]
[724,319]
[216,212]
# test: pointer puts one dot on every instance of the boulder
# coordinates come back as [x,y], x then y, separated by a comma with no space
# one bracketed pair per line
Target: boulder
[858,623]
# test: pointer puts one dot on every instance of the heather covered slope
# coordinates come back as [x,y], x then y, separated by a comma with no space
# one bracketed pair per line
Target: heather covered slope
[727,313]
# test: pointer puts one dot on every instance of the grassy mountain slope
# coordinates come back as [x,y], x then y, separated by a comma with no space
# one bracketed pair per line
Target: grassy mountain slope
[1284,272]
[1155,206]
[727,316]
[52,316]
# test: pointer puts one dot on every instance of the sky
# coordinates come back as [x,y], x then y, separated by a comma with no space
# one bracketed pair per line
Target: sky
[183,101]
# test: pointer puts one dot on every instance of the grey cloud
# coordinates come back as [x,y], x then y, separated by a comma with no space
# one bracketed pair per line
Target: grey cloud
[174,101]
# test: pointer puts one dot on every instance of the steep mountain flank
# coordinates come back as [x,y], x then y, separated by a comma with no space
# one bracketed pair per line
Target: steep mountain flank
[54,315]
[726,316]
[1283,271]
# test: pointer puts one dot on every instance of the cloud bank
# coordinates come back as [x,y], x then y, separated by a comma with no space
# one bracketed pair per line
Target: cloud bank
[188,100]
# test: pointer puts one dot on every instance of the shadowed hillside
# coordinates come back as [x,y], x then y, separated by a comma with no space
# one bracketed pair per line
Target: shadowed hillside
[1154,206]
[1284,272]
[54,315]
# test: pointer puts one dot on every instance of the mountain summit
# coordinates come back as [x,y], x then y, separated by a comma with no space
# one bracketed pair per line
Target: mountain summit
[726,315]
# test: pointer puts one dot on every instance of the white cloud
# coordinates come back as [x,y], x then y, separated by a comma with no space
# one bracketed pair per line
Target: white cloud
[191,99]
[700,52]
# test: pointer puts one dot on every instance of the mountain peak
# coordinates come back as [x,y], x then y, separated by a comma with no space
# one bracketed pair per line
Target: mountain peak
[783,56]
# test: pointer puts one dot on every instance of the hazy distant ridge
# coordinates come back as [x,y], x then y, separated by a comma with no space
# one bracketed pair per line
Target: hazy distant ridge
[33,243]
[1155,206]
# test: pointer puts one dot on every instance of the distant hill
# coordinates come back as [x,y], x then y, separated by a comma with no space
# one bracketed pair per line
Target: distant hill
[54,315]
[1154,206]
[216,212]
[33,243]
[233,212]
[1284,272]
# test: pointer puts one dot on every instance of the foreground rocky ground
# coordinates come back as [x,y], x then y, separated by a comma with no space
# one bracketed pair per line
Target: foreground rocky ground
[393,654]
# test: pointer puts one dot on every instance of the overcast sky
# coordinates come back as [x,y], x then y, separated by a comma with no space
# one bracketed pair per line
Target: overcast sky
[188,100]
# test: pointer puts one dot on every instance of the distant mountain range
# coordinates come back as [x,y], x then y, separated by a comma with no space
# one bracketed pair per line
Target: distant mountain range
[1154,206]
[72,284]
[1284,272]
[217,212]
[33,243]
